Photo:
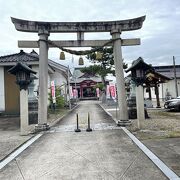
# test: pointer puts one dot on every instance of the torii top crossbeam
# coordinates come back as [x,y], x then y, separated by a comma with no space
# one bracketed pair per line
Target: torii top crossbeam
[64,27]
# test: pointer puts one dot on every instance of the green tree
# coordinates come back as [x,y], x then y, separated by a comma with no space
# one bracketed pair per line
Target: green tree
[103,65]
[100,86]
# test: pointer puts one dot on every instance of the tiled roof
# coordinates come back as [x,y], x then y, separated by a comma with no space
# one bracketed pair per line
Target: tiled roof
[20,57]
[79,77]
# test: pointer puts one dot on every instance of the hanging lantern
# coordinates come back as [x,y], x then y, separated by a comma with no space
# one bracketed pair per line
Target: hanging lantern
[98,56]
[81,61]
[62,56]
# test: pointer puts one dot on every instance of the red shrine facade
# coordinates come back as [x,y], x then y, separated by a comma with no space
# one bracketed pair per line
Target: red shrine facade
[85,84]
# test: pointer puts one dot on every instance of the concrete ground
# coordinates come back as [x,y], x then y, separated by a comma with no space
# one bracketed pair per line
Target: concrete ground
[105,153]
[10,135]
[10,132]
[160,133]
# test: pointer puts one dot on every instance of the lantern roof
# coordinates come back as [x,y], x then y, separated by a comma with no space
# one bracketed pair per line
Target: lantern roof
[153,77]
[139,64]
[20,67]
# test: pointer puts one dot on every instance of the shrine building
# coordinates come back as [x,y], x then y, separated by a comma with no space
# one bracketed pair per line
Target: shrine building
[85,83]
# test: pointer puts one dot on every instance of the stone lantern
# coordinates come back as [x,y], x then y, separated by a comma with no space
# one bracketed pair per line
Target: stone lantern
[138,71]
[22,73]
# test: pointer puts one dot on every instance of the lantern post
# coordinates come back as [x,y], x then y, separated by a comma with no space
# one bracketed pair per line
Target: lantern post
[139,80]
[22,73]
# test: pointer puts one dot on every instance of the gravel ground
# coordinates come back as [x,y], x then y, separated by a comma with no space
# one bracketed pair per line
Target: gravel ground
[57,114]
[161,124]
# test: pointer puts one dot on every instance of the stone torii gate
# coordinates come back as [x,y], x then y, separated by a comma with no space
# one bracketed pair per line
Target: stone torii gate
[45,28]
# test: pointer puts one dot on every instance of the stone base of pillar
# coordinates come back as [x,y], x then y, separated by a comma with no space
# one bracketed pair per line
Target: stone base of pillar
[123,123]
[24,133]
[41,127]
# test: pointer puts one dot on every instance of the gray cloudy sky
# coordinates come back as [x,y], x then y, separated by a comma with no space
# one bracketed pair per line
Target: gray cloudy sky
[160,34]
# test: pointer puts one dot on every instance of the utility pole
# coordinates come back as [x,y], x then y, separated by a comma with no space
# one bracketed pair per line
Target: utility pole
[69,93]
[75,79]
[175,79]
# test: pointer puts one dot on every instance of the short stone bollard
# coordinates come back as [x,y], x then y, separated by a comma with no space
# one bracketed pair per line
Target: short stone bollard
[77,119]
[88,129]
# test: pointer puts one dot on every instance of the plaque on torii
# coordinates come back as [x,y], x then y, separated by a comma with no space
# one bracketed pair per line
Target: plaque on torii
[45,28]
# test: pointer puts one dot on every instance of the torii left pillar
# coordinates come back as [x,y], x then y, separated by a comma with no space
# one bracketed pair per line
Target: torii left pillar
[43,81]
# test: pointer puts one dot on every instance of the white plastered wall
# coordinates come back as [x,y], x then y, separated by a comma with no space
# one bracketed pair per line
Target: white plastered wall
[163,88]
[59,79]
[36,81]
[2,93]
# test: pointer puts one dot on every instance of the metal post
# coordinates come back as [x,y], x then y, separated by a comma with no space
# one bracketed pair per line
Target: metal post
[88,129]
[69,93]
[157,95]
[175,79]
[77,123]
[162,92]
[76,89]
[75,79]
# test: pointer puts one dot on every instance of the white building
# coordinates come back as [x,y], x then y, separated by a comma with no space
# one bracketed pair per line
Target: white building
[170,86]
[9,91]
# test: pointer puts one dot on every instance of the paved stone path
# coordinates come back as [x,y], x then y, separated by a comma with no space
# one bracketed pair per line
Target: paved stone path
[106,153]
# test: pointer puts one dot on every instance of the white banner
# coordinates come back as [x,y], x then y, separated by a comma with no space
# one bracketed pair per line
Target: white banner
[112,89]
[53,91]
[75,93]
[97,92]
[71,92]
[107,92]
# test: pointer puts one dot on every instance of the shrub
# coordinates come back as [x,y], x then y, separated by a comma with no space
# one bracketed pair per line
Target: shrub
[60,102]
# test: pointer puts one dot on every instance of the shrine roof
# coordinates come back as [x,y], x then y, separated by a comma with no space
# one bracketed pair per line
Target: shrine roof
[80,80]
[88,75]
[79,77]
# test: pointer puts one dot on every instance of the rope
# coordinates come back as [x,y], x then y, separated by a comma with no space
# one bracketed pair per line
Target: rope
[85,52]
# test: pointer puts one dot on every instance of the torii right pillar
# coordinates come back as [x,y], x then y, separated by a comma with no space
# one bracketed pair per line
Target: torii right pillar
[118,61]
